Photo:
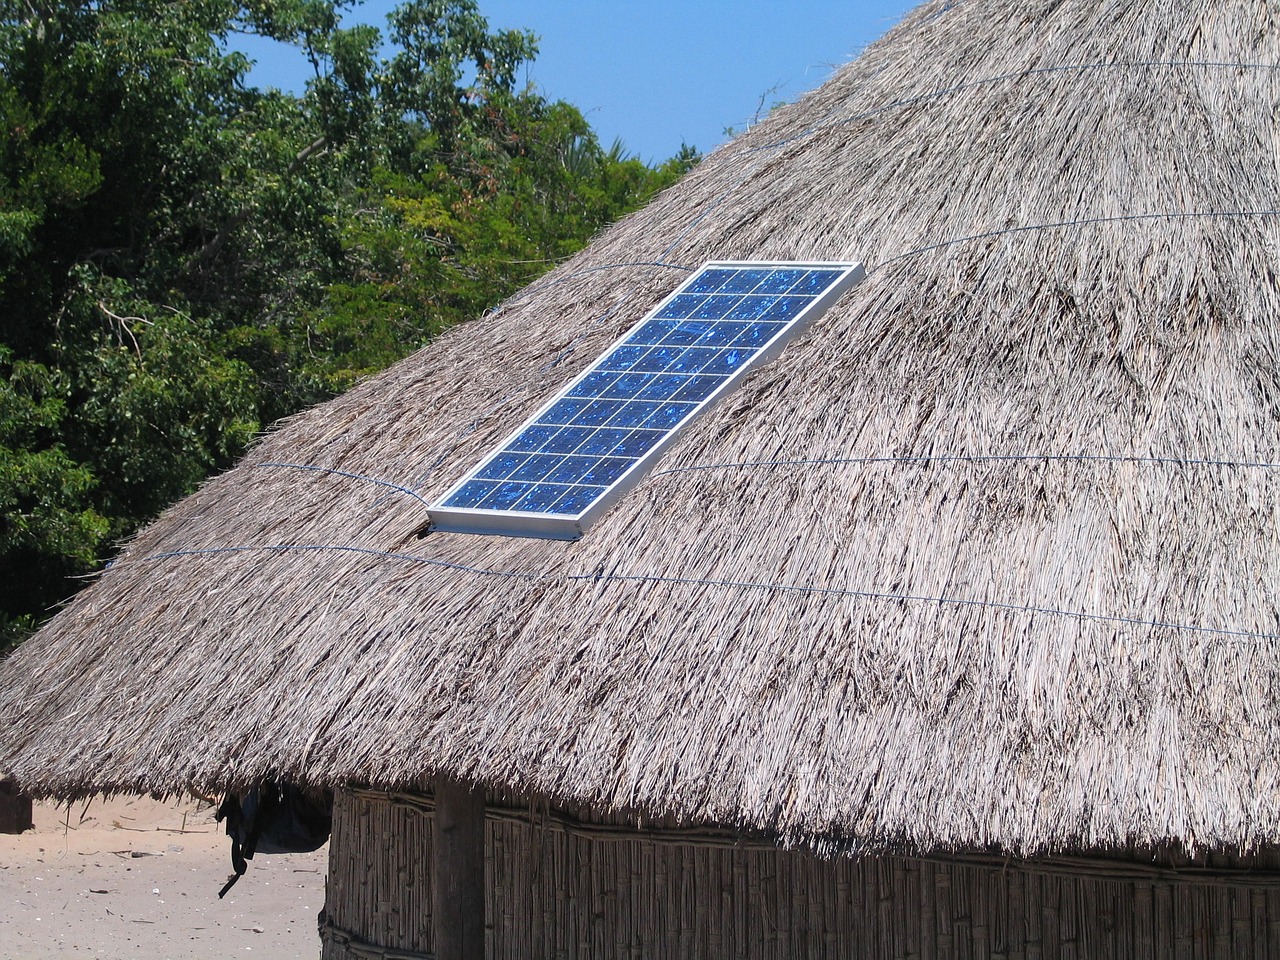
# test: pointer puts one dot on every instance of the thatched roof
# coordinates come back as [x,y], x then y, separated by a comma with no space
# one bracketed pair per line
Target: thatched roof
[988,558]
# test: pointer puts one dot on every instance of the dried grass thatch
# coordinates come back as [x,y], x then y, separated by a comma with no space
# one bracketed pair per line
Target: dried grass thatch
[988,559]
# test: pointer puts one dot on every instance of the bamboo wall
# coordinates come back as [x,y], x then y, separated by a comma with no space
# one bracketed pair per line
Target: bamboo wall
[561,894]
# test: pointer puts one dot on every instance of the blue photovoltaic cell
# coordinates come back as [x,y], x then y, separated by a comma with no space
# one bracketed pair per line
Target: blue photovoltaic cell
[622,410]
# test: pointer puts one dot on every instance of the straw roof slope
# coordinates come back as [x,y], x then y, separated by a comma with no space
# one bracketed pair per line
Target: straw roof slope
[988,558]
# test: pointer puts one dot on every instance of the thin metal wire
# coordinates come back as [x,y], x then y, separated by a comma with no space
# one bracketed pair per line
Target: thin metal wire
[837,461]
[539,285]
[945,92]
[344,473]
[942,601]
[875,595]
[334,548]
[1015,75]
[966,238]
[1081,222]
[958,458]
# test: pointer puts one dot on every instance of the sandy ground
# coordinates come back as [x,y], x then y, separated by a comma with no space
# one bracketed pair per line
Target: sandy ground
[137,879]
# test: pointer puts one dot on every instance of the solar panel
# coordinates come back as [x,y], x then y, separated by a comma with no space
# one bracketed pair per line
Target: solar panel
[596,439]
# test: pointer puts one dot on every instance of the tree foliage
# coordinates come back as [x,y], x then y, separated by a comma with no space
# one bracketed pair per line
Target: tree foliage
[185,257]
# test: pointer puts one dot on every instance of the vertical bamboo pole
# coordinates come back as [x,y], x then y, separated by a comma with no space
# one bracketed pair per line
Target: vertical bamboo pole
[458,891]
[928,911]
[1273,924]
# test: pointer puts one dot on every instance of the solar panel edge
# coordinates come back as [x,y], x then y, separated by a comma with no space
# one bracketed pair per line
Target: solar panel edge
[504,523]
[568,526]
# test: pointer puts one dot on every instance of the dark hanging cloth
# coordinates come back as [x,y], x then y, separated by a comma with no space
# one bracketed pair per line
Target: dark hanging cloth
[273,818]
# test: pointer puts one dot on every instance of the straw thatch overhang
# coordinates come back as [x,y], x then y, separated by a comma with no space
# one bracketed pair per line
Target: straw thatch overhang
[986,561]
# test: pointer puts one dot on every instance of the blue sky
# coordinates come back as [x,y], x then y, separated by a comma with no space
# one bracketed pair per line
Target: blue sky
[660,73]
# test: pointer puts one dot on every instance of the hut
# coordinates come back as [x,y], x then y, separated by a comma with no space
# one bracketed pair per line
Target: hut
[953,631]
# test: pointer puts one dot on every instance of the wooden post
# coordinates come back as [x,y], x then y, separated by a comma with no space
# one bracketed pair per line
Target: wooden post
[458,888]
[15,808]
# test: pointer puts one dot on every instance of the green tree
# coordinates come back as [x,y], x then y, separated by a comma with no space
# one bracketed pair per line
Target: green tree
[185,258]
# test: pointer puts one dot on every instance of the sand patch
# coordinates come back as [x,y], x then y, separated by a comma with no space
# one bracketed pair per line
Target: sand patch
[131,877]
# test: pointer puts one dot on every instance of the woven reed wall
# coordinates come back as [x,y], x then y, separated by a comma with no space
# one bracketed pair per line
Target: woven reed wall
[555,893]
[379,886]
